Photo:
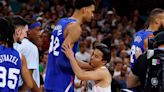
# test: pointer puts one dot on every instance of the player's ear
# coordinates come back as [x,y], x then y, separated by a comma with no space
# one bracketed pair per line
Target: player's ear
[17,31]
[83,10]
[104,62]
[157,21]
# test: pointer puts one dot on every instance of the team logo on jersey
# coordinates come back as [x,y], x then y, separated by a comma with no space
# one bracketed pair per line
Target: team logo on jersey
[137,39]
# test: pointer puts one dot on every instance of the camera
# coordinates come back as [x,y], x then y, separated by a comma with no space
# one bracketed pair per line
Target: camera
[156,41]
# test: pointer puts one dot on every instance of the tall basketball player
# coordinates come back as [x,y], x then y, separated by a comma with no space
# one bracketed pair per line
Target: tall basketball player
[59,74]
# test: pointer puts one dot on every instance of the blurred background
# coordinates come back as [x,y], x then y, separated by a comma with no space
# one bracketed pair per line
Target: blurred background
[115,22]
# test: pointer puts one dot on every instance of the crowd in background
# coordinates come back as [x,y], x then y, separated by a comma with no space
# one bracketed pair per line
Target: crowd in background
[110,25]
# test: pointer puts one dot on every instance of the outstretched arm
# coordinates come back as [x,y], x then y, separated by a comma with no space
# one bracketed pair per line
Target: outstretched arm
[79,72]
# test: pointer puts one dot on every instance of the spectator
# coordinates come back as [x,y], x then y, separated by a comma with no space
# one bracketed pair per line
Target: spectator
[15,65]
[30,51]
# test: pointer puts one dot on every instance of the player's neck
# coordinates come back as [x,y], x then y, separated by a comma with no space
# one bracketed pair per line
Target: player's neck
[153,28]
[15,39]
[76,15]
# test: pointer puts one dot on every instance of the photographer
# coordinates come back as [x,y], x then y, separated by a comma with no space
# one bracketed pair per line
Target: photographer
[148,70]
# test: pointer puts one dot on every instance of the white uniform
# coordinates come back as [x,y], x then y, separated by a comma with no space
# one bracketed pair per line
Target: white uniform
[101,89]
[30,51]
[97,88]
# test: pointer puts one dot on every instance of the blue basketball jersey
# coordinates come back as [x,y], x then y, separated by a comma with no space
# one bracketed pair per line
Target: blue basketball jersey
[10,67]
[138,43]
[59,74]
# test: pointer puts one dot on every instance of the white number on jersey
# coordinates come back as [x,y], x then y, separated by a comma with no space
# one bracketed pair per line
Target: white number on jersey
[12,77]
[135,52]
[56,44]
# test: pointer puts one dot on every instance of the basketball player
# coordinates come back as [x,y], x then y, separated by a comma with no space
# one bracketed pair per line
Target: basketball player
[27,48]
[99,74]
[59,74]
[12,63]
[140,44]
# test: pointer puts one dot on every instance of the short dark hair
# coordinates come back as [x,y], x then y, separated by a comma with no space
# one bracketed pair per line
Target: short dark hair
[6,32]
[105,50]
[83,3]
[18,21]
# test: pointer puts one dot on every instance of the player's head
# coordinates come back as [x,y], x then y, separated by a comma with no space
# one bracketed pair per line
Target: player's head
[34,30]
[6,33]
[87,7]
[156,17]
[21,27]
[101,55]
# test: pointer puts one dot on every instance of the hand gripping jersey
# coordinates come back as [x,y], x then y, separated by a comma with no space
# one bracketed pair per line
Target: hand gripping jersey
[138,44]
[10,67]
[59,74]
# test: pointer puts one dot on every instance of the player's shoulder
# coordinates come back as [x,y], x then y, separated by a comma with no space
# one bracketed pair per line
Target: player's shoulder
[142,31]
[27,43]
[103,70]
[66,20]
[73,26]
[143,34]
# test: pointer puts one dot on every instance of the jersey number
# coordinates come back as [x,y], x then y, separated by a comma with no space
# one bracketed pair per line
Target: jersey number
[55,43]
[133,52]
[12,77]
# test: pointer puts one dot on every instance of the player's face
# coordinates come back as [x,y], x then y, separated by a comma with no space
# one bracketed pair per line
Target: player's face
[21,32]
[89,13]
[161,21]
[96,58]
[24,32]
[34,34]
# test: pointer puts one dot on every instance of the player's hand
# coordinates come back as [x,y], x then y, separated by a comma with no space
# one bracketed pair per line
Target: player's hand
[138,52]
[67,50]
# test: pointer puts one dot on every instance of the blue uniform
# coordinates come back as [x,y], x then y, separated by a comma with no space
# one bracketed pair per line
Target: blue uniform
[59,74]
[10,67]
[138,43]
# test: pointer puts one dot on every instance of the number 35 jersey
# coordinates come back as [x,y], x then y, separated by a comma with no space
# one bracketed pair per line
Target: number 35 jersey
[138,44]
[10,67]
[59,73]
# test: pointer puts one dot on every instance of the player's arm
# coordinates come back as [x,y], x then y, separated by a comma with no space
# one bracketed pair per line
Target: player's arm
[146,44]
[132,81]
[35,88]
[84,65]
[146,41]
[32,65]
[72,34]
[25,74]
[80,73]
